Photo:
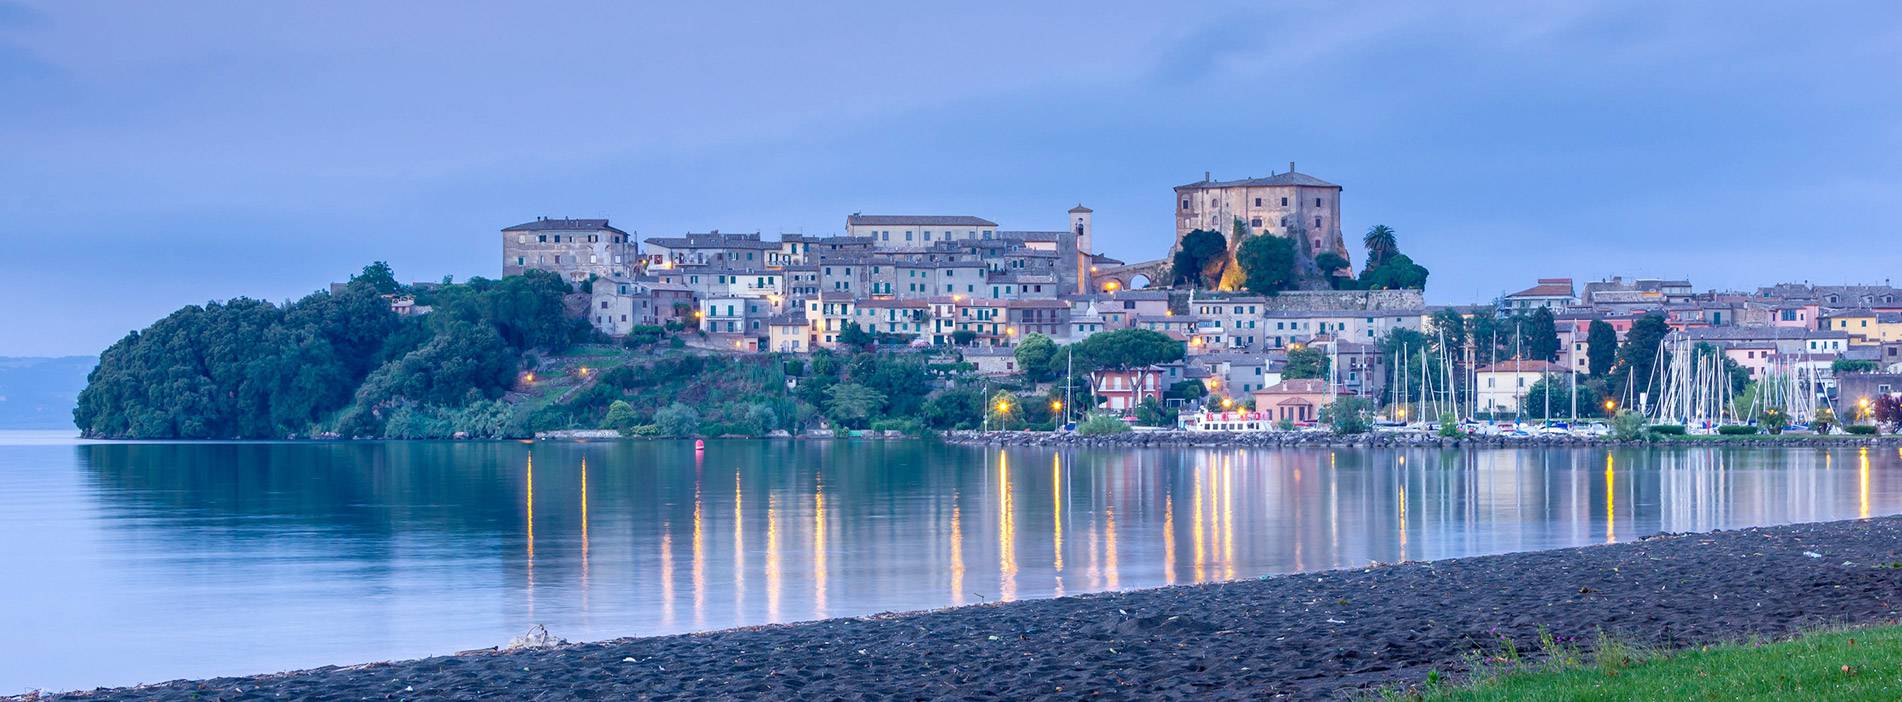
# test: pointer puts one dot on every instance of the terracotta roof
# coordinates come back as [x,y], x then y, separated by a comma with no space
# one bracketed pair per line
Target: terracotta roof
[1302,386]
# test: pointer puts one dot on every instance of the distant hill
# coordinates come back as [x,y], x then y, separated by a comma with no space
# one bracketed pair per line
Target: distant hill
[39,393]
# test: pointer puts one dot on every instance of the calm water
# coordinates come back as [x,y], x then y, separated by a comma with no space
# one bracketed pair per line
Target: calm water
[144,562]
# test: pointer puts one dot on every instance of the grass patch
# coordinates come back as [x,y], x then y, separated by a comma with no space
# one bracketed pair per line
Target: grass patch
[1856,664]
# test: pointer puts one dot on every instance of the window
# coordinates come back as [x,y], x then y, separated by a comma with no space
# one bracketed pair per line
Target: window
[1256,223]
[1284,202]
[1185,203]
[541,238]
[1317,202]
[1317,222]
[1257,202]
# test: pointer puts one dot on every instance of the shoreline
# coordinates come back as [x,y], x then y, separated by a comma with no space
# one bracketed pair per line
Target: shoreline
[1304,635]
[1292,439]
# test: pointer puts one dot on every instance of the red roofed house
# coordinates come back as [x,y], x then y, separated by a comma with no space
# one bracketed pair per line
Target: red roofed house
[1552,293]
[1293,400]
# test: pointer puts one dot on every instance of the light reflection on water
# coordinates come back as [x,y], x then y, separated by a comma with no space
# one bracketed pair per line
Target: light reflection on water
[154,561]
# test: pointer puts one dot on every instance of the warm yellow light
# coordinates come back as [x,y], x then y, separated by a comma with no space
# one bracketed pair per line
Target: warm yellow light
[738,344]
[1111,286]
[1611,405]
[1010,331]
[1403,413]
[1003,406]
[1227,403]
[528,377]
[698,314]
[584,371]
[1056,406]
[1863,402]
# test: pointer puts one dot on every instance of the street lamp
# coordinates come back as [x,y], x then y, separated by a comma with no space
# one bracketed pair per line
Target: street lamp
[1611,406]
[1862,408]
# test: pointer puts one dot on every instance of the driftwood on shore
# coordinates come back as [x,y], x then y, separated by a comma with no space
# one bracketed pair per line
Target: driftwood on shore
[1304,636]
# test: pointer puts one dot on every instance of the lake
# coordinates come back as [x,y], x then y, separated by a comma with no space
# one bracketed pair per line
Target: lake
[141,562]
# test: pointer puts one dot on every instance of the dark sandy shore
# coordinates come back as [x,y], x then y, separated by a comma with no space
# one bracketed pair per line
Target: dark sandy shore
[1308,636]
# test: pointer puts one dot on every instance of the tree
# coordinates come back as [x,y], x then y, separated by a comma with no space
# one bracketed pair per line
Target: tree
[1004,410]
[1035,356]
[1847,365]
[960,408]
[1381,245]
[1347,414]
[620,417]
[1541,336]
[1267,264]
[1127,348]
[1601,348]
[1824,419]
[1590,403]
[855,336]
[677,419]
[379,277]
[1637,358]
[1187,391]
[851,404]
[1305,362]
[1774,420]
[1331,264]
[963,337]
[1198,252]
[1396,273]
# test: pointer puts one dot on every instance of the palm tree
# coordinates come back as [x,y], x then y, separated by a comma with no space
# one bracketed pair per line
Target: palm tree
[1380,244]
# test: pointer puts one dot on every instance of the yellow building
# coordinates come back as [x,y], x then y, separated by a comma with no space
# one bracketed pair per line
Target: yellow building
[1866,326]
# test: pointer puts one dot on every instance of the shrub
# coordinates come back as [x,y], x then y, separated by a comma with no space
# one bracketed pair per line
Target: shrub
[1285,424]
[1449,425]
[1824,419]
[1668,429]
[1773,420]
[1860,429]
[1627,426]
[1737,430]
[1099,424]
[910,427]
[620,416]
[1347,415]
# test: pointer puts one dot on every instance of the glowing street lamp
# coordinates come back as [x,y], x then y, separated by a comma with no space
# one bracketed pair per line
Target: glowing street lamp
[1056,406]
[528,378]
[1610,406]
[1228,403]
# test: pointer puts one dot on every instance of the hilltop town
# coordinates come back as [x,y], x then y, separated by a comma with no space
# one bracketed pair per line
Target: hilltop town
[967,285]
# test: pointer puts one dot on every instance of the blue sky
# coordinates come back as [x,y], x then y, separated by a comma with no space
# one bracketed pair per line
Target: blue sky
[160,154]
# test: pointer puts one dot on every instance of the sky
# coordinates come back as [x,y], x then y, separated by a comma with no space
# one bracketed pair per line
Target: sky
[155,155]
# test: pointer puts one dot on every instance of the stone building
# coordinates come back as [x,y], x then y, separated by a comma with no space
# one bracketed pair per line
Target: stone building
[573,248]
[1277,204]
[887,232]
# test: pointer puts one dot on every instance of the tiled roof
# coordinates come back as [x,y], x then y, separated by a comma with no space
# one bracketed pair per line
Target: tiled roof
[564,225]
[1279,179]
[1304,386]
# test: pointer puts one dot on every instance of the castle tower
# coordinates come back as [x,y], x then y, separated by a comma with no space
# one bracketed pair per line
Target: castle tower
[1085,245]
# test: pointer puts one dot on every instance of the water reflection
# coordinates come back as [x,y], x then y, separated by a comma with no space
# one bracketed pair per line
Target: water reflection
[204,559]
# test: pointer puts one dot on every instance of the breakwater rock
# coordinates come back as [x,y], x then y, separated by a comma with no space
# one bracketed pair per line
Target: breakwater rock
[1395,439]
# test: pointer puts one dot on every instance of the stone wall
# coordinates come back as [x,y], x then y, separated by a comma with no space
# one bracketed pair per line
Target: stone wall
[1320,300]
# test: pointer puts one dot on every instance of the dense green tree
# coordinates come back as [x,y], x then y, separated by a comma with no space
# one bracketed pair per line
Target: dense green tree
[379,277]
[1330,264]
[1305,363]
[1541,336]
[1198,254]
[1590,403]
[1601,348]
[1638,356]
[854,336]
[1037,357]
[852,404]
[620,417]
[963,337]
[959,408]
[1267,263]
[1127,348]
[1396,273]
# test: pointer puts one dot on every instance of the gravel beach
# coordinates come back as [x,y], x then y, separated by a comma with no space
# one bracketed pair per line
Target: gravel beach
[1309,636]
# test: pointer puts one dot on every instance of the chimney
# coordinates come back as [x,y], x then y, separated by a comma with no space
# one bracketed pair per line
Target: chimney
[1206,177]
[1290,166]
